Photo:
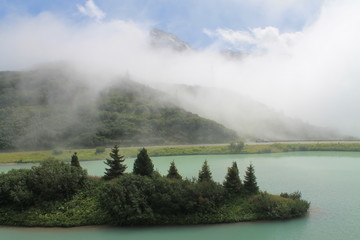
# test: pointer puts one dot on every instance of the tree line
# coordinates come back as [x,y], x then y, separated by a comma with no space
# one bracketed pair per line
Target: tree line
[143,196]
[143,166]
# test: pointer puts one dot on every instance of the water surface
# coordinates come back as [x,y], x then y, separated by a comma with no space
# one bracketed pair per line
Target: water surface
[329,180]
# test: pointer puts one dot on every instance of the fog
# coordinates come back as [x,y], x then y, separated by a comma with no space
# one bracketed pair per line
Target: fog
[312,74]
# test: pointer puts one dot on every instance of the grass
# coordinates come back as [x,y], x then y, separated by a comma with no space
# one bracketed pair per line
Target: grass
[90,154]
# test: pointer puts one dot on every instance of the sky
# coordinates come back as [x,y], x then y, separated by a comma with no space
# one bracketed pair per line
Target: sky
[300,57]
[187,19]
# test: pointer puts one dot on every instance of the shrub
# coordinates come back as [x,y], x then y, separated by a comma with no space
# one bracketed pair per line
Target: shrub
[236,147]
[267,206]
[14,188]
[262,204]
[55,180]
[57,152]
[295,195]
[135,199]
[172,197]
[209,196]
[52,180]
[177,197]
[126,199]
[100,150]
[284,195]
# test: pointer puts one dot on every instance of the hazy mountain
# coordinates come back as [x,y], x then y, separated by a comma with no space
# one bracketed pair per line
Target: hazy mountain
[54,107]
[164,39]
[248,117]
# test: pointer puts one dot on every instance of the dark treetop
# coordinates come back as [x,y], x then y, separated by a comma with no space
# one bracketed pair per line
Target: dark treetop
[116,166]
[143,165]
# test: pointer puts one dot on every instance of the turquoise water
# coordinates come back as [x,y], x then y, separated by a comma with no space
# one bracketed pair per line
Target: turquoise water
[329,180]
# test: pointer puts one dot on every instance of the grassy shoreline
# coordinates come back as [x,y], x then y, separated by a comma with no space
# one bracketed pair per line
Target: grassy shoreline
[90,154]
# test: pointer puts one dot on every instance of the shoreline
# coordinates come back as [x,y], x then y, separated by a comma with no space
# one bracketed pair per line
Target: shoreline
[134,227]
[14,158]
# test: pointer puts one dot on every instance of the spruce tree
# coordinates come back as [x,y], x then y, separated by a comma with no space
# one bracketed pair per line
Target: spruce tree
[173,172]
[143,165]
[116,165]
[205,173]
[75,160]
[232,181]
[250,184]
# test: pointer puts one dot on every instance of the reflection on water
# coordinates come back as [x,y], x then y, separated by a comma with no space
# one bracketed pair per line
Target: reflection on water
[269,230]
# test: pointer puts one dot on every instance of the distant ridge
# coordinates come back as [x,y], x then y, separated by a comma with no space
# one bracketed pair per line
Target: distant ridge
[252,120]
[164,39]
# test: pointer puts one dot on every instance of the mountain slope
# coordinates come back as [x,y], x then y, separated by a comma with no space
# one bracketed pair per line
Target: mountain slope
[249,118]
[162,39]
[52,107]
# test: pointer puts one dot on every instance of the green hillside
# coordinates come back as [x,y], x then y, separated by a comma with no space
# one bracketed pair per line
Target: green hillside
[49,108]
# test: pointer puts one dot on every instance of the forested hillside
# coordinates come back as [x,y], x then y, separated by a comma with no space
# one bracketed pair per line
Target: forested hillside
[50,108]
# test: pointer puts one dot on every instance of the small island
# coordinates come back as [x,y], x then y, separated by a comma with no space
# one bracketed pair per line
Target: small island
[58,194]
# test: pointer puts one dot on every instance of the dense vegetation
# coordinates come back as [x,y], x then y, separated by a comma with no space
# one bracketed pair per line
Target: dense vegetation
[58,194]
[50,107]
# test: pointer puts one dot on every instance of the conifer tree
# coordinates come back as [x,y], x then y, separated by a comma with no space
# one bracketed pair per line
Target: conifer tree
[75,160]
[173,172]
[116,165]
[250,184]
[143,165]
[232,181]
[205,173]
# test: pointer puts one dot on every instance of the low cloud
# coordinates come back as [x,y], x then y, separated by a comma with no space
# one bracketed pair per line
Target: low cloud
[312,74]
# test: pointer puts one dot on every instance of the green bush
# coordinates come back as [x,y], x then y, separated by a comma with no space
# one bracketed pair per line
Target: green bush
[236,147]
[295,195]
[14,188]
[52,180]
[100,150]
[172,197]
[55,180]
[134,199]
[209,196]
[126,199]
[267,206]
[262,204]
[57,152]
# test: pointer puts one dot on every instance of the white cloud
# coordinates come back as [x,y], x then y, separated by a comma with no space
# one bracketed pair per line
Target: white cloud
[313,74]
[256,40]
[91,10]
